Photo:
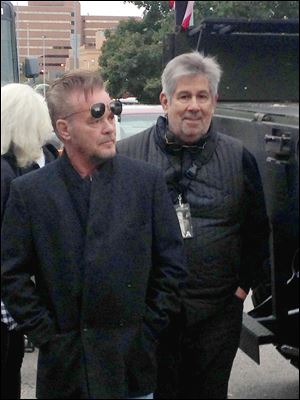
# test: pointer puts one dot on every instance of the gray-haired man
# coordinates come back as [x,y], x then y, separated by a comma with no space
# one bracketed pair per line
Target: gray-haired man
[216,188]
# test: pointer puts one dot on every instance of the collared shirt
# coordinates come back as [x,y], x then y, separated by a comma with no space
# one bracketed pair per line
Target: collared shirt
[42,160]
[7,319]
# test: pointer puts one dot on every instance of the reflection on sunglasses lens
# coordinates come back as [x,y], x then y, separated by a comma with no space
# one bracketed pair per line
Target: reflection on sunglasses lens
[116,107]
[97,110]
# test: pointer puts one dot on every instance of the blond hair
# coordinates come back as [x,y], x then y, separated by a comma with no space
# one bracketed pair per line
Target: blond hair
[58,95]
[25,123]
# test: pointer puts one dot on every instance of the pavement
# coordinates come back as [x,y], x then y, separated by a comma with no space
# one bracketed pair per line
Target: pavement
[274,378]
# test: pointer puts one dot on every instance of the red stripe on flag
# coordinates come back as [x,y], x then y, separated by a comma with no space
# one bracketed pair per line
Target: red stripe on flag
[188,15]
[172,4]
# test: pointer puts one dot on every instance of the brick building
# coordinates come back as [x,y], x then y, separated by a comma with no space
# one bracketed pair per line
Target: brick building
[92,38]
[92,24]
[62,39]
[46,29]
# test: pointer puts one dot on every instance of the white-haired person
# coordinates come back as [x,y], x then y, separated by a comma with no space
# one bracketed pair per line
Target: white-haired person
[25,129]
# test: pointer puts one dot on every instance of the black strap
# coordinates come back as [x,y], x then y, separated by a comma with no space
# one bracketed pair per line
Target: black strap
[200,154]
[202,158]
[199,159]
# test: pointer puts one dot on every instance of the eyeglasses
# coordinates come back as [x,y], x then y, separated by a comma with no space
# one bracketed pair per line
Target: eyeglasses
[97,110]
[178,147]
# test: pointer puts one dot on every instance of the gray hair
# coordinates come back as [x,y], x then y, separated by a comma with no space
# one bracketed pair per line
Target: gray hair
[191,64]
[59,92]
[25,123]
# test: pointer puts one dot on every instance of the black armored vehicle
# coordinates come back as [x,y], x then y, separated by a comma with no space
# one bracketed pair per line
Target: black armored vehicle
[258,104]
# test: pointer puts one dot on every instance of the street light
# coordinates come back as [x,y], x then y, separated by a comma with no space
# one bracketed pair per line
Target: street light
[18,34]
[28,40]
[75,49]
[44,67]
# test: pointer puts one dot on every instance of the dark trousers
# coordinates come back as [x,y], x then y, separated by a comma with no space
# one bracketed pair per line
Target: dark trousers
[197,365]
[12,353]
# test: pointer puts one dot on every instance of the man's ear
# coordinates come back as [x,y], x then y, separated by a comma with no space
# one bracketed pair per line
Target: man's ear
[62,129]
[164,102]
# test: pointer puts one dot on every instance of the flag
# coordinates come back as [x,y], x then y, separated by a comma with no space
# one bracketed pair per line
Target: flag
[188,15]
[184,12]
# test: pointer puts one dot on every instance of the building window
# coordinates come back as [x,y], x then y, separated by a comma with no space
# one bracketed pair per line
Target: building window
[55,64]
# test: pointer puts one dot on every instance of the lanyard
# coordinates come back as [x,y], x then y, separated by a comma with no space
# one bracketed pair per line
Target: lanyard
[183,179]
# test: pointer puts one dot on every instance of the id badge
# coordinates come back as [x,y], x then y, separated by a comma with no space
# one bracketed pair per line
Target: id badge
[185,219]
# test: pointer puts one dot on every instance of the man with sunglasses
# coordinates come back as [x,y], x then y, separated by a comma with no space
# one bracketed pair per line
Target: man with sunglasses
[105,251]
[216,189]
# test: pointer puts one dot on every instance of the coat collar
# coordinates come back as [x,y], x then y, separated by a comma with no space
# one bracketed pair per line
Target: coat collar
[204,147]
[104,172]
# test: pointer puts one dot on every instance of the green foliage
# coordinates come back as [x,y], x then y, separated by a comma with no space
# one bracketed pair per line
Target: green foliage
[151,90]
[156,7]
[230,9]
[246,9]
[131,59]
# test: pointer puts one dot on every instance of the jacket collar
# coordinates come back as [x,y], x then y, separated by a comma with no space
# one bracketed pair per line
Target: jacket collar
[103,172]
[166,140]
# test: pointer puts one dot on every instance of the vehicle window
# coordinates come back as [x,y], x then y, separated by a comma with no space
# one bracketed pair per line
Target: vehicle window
[134,123]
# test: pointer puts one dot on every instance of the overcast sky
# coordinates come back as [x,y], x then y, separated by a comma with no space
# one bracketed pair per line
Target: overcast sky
[104,8]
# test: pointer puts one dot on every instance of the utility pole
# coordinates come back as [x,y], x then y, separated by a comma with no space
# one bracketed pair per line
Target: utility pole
[17,33]
[75,44]
[44,67]
[28,40]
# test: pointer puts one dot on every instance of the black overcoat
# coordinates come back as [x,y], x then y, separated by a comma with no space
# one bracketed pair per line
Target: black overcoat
[100,297]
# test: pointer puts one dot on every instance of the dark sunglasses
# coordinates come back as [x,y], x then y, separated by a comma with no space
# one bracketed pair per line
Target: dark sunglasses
[97,110]
[178,147]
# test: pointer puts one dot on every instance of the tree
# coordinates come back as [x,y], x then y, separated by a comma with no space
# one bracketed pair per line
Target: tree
[230,9]
[131,59]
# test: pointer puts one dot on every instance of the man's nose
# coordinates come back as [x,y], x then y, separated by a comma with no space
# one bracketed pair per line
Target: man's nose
[193,104]
[109,126]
